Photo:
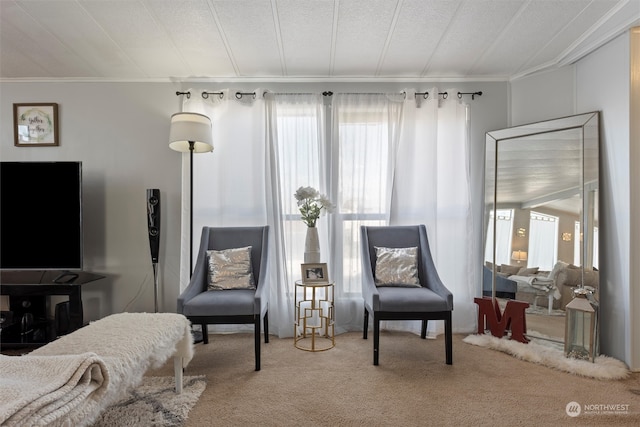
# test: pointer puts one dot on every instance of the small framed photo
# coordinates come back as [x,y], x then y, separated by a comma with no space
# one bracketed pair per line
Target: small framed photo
[314,273]
[35,125]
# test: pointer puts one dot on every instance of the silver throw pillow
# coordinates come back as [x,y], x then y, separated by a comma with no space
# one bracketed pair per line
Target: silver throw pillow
[397,267]
[230,269]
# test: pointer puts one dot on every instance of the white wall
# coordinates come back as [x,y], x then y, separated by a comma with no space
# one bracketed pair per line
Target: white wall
[120,131]
[543,96]
[600,81]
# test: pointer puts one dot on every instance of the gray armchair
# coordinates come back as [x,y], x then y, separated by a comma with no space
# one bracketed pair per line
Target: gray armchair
[231,306]
[429,301]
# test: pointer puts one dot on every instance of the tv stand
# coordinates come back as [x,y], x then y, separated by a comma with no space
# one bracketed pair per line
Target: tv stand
[28,322]
[66,277]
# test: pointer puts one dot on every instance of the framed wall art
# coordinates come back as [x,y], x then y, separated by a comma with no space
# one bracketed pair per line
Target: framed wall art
[35,125]
[314,273]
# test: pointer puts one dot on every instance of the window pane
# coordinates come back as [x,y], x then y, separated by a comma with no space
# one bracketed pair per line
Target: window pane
[543,240]
[299,147]
[504,229]
[362,186]
[298,155]
[351,257]
[363,164]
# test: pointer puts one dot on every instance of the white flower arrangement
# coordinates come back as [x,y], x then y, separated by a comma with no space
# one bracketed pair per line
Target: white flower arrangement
[311,203]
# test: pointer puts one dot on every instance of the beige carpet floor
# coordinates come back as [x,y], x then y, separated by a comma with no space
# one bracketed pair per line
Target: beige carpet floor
[412,386]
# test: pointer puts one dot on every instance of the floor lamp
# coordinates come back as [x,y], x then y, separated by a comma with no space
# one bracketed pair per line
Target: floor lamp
[190,132]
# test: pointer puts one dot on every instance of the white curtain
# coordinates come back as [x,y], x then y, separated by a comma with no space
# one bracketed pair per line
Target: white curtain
[432,187]
[296,157]
[382,158]
[229,183]
[504,231]
[365,136]
[543,241]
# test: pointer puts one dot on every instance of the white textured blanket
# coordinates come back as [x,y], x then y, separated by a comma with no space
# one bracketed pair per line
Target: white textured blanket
[126,345]
[39,390]
[546,285]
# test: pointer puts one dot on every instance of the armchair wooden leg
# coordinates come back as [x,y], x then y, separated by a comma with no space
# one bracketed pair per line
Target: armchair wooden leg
[376,339]
[423,333]
[266,326]
[205,333]
[366,324]
[448,340]
[257,341]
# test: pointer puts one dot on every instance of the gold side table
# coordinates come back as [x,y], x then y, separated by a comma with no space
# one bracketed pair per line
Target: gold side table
[313,329]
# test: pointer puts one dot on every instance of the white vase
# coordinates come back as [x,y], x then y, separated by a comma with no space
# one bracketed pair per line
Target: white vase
[312,246]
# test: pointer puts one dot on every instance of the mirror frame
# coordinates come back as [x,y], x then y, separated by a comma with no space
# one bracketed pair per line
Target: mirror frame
[588,125]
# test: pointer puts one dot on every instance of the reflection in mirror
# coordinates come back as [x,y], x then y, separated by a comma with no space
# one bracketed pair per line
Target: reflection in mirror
[541,217]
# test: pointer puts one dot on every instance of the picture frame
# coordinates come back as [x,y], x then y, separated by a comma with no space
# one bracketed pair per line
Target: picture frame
[314,273]
[35,125]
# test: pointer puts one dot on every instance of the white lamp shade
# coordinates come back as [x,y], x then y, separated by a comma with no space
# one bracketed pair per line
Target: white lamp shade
[186,127]
[519,255]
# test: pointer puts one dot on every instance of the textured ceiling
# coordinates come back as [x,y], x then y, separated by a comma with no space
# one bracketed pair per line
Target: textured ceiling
[301,39]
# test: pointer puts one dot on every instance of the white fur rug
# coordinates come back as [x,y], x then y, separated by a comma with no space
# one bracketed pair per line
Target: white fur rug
[604,367]
[154,403]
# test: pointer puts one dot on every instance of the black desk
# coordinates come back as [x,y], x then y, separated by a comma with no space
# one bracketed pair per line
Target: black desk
[29,293]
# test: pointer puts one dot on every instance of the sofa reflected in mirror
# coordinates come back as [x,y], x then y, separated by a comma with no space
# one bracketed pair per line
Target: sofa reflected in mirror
[541,217]
[537,287]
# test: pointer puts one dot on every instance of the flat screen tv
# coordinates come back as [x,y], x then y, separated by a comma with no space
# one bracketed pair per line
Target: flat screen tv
[41,215]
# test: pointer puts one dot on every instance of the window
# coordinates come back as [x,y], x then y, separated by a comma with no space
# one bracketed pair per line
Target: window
[543,240]
[300,144]
[353,166]
[577,246]
[577,233]
[596,245]
[362,162]
[504,231]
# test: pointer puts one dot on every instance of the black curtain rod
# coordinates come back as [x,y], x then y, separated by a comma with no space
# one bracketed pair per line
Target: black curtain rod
[239,95]
[205,95]
[445,95]
[473,94]
[425,95]
[295,93]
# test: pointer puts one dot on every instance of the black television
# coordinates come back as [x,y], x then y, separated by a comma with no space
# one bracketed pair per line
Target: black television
[41,216]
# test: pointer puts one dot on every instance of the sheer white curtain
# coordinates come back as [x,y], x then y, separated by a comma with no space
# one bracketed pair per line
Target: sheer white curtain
[229,183]
[297,157]
[543,238]
[431,186]
[504,231]
[386,159]
[365,135]
[354,167]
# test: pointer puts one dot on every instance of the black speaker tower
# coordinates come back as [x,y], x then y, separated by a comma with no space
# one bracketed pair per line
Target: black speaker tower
[153,223]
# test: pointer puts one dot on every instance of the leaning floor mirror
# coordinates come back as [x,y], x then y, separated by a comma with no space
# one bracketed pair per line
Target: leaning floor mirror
[541,217]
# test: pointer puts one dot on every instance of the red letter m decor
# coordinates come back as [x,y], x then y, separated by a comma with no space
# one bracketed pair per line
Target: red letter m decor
[490,317]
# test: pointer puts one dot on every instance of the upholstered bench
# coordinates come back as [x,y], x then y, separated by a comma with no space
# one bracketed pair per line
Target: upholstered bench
[97,364]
